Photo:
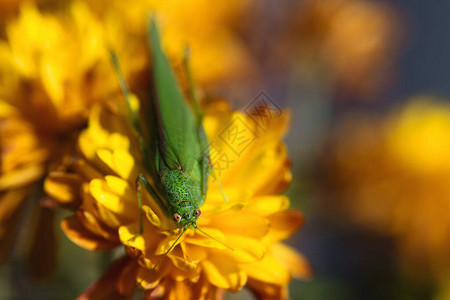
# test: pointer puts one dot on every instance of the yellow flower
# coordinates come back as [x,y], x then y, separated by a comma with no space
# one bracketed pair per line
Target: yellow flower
[60,63]
[210,30]
[253,222]
[53,67]
[354,40]
[392,176]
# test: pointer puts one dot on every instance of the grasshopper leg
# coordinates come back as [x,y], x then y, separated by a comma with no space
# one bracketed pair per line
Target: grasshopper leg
[142,180]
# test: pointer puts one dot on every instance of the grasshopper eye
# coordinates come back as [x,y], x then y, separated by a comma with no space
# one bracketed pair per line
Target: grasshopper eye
[177,218]
[197,213]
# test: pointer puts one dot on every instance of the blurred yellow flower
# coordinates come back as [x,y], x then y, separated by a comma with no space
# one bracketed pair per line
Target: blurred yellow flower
[101,185]
[210,30]
[53,68]
[392,176]
[354,41]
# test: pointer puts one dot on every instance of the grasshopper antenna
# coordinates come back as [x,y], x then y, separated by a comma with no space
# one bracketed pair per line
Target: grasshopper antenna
[213,173]
[160,260]
[228,247]
[126,92]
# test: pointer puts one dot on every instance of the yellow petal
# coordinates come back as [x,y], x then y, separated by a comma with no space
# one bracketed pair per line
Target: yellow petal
[21,177]
[268,205]
[124,164]
[105,215]
[167,242]
[283,225]
[106,156]
[202,240]
[52,79]
[118,141]
[292,260]
[245,249]
[95,225]
[269,270]
[113,195]
[130,236]
[151,216]
[65,188]
[7,110]
[242,222]
[194,253]
[182,263]
[223,274]
[122,188]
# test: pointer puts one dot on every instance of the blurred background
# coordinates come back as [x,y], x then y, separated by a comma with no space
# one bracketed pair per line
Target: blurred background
[367,83]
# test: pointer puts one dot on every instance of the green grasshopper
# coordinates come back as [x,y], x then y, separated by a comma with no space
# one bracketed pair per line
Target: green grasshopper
[177,157]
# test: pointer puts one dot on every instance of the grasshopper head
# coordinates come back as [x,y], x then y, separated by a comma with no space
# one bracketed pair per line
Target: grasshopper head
[186,215]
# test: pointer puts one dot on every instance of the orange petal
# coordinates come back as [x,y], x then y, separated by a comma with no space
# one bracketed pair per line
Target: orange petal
[265,291]
[204,290]
[179,290]
[148,279]
[78,234]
